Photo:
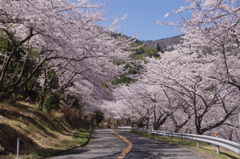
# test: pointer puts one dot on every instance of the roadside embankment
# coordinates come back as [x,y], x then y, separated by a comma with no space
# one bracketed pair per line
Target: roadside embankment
[40,133]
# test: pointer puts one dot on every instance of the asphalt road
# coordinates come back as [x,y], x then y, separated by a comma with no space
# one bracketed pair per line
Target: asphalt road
[107,145]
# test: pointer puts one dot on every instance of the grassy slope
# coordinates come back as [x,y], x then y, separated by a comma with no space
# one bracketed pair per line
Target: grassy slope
[143,51]
[40,133]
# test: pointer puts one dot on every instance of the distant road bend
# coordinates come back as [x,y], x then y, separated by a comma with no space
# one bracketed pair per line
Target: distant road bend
[117,144]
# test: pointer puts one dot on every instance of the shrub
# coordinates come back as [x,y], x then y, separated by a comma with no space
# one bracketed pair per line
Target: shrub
[52,101]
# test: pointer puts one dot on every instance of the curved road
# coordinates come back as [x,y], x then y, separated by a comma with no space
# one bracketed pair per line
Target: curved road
[108,145]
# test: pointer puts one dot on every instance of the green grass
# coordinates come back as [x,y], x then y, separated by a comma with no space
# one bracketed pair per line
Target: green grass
[205,149]
[79,138]
[40,153]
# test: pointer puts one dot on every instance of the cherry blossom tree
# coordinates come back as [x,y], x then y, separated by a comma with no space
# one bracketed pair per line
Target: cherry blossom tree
[212,34]
[213,29]
[145,104]
[133,104]
[189,77]
[62,36]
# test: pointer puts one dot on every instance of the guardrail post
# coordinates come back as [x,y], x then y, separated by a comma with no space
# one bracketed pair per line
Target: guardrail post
[197,144]
[18,145]
[218,150]
[181,140]
[167,137]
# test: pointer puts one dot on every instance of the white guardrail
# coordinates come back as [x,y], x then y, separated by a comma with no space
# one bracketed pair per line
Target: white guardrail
[219,142]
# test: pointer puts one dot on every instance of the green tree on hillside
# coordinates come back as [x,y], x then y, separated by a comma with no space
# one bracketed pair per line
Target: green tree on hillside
[159,49]
[98,117]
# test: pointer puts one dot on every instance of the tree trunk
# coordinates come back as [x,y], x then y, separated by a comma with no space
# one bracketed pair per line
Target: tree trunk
[148,123]
[41,102]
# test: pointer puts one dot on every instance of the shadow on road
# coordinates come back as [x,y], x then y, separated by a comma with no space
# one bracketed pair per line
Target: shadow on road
[145,148]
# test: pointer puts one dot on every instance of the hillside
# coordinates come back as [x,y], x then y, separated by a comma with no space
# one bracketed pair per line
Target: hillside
[40,133]
[146,49]
[165,44]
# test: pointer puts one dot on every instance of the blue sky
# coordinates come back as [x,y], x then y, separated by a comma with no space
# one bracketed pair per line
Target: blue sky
[142,17]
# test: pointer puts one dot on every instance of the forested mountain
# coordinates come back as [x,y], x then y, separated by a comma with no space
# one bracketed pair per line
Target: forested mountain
[147,49]
[165,44]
